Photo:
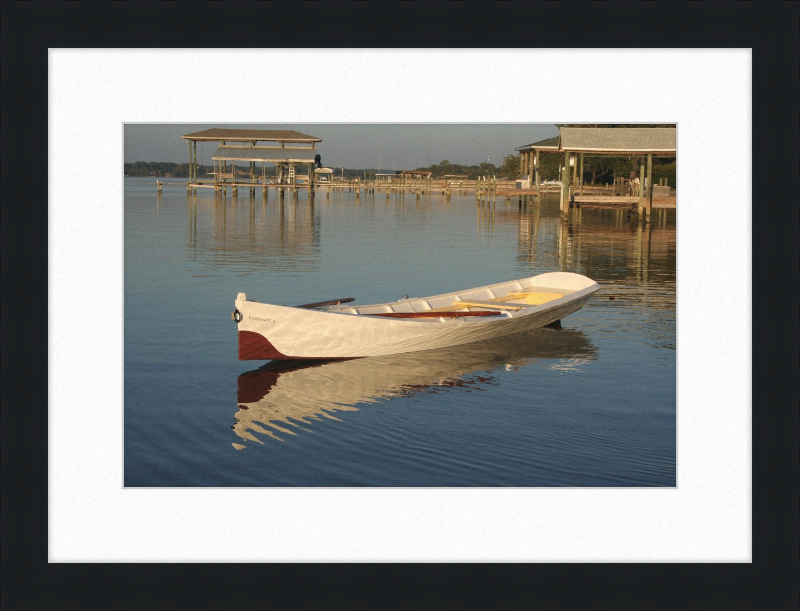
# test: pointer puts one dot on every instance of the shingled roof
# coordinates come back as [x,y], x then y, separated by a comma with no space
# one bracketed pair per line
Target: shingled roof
[619,139]
[547,143]
[250,135]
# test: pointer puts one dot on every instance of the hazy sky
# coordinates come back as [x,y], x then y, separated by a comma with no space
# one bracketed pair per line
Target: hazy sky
[368,145]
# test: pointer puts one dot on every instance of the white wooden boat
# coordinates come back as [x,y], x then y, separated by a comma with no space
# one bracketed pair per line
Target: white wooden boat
[342,331]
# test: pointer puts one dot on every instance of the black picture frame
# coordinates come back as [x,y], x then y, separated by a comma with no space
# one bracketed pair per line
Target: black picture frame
[769,582]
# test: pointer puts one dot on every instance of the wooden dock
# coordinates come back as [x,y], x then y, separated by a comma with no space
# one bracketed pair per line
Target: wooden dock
[625,201]
[590,198]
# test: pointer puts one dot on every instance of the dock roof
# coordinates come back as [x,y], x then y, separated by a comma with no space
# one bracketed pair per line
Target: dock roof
[251,135]
[619,139]
[548,143]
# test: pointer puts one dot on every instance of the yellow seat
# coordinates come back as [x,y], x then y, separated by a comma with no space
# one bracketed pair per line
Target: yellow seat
[512,301]
[536,298]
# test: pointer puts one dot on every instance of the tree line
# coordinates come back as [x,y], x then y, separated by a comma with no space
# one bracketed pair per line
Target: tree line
[181,170]
[163,168]
[596,169]
[472,172]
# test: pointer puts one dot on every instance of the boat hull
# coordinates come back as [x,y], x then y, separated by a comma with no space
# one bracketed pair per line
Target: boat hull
[269,331]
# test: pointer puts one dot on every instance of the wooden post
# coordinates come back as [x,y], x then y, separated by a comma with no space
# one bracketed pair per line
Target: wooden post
[525,164]
[575,171]
[537,171]
[526,169]
[580,180]
[189,179]
[234,188]
[531,170]
[565,185]
[641,187]
[649,185]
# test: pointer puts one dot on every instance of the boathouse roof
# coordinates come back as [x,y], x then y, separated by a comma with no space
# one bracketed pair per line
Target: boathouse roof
[251,135]
[610,140]
[619,139]
[548,143]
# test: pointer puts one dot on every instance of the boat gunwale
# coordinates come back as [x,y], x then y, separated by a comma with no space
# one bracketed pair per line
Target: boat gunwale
[523,310]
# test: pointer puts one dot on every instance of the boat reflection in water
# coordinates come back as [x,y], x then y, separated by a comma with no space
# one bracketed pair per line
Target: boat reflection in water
[284,397]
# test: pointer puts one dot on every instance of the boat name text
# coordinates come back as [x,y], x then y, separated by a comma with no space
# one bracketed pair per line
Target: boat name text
[261,318]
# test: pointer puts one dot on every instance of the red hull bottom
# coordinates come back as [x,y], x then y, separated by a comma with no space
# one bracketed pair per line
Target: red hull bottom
[255,347]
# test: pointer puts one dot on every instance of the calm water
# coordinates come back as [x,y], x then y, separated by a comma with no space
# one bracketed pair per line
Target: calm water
[592,404]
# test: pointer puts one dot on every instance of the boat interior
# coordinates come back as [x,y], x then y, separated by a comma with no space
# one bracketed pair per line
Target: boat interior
[494,300]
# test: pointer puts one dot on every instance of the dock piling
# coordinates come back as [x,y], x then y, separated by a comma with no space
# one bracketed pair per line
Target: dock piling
[649,186]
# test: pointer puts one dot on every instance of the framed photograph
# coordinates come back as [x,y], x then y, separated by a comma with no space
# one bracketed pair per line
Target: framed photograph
[153,472]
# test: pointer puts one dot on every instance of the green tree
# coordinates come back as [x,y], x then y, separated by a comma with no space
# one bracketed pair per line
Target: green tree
[550,166]
[510,167]
[603,168]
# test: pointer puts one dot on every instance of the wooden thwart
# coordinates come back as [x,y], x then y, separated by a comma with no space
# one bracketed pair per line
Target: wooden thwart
[474,303]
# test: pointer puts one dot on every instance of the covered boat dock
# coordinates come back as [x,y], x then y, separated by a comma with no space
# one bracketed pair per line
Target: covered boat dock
[286,151]
[639,144]
[529,161]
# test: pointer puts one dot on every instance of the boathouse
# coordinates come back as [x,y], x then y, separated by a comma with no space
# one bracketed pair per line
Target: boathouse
[639,144]
[286,150]
[416,174]
[323,175]
[529,161]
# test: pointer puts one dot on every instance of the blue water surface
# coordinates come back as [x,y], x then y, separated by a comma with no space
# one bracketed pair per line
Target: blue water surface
[592,404]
